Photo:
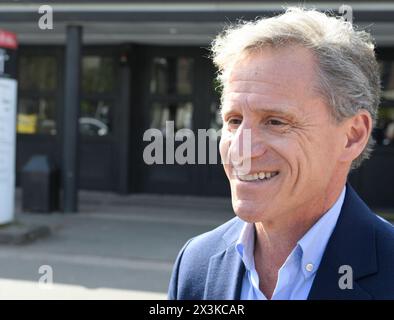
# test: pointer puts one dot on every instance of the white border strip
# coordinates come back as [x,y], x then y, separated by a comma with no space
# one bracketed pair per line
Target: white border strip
[189,7]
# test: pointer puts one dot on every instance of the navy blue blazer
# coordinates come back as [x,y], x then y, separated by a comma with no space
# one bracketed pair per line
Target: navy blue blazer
[209,267]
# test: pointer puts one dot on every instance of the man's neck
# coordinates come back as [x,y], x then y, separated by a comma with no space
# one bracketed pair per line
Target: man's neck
[275,241]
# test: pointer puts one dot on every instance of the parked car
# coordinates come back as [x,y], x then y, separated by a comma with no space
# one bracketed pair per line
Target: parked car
[92,127]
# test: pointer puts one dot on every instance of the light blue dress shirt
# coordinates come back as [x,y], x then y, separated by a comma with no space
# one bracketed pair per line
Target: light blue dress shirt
[296,275]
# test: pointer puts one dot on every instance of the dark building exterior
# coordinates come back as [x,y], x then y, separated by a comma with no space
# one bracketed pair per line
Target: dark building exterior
[144,63]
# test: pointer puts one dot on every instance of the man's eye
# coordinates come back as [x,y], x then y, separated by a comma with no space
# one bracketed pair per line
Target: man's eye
[275,122]
[235,121]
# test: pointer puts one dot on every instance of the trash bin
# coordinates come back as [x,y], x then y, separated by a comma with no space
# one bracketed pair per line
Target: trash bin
[40,185]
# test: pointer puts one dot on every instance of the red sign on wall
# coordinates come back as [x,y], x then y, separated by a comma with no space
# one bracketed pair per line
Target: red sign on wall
[8,46]
[8,40]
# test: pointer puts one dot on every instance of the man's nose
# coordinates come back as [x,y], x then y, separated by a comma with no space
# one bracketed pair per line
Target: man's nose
[247,144]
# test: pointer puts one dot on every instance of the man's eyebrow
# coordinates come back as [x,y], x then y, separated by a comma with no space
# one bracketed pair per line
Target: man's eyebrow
[284,110]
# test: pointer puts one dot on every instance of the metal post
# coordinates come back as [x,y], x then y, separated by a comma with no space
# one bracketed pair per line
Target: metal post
[123,122]
[71,118]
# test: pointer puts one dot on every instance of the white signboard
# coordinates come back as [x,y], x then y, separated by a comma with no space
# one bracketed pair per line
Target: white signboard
[8,94]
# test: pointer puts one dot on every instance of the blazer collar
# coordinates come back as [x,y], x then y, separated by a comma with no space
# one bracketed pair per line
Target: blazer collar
[352,243]
[226,270]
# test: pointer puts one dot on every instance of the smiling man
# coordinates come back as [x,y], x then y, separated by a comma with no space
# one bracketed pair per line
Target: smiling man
[304,89]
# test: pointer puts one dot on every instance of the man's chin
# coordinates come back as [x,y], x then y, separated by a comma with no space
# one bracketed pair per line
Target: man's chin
[250,212]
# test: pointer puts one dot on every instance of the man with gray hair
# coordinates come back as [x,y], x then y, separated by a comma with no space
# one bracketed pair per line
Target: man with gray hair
[304,88]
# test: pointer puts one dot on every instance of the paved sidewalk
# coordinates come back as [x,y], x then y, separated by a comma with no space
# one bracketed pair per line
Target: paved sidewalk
[116,248]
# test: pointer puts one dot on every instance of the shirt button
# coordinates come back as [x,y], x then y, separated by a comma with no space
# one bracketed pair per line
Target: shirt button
[309,267]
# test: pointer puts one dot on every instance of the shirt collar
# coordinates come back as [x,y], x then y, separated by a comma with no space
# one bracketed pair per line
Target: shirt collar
[314,242]
[245,245]
[309,248]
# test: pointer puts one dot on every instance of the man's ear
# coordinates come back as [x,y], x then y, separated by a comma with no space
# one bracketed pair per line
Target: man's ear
[357,129]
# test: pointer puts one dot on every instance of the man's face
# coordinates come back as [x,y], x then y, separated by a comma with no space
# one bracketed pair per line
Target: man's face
[294,139]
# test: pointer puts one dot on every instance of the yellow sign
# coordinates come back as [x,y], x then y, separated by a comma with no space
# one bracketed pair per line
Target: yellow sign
[27,123]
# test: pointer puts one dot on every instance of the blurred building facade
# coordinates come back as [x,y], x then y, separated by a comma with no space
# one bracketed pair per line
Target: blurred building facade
[145,63]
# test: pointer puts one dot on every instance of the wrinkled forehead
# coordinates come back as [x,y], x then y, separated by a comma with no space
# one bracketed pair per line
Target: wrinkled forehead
[285,65]
[286,73]
[284,80]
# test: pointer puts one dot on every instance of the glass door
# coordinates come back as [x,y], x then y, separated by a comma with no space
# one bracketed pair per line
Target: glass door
[169,108]
[178,103]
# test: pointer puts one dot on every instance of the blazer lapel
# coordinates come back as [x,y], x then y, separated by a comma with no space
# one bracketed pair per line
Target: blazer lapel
[226,270]
[225,275]
[353,244]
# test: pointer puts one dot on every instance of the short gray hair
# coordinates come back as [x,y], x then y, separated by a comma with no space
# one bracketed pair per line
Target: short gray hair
[348,73]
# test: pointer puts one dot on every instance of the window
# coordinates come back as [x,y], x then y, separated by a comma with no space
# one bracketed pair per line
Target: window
[98,95]
[172,75]
[98,74]
[36,115]
[216,121]
[37,94]
[171,84]
[94,117]
[37,73]
[384,131]
[180,113]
